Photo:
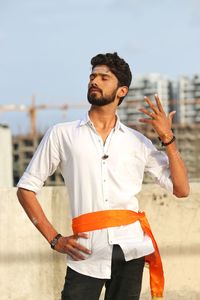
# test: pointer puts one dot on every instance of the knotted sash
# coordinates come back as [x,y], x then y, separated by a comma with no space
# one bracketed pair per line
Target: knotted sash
[111,218]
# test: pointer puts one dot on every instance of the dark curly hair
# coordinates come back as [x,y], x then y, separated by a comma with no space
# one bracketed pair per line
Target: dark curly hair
[117,66]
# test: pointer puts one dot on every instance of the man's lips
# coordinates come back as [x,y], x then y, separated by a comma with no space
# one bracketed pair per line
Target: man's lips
[94,90]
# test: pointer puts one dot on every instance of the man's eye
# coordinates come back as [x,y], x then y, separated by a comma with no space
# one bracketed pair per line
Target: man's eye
[91,77]
[105,77]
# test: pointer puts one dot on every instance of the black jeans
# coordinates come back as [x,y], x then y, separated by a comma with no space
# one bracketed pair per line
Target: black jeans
[125,282]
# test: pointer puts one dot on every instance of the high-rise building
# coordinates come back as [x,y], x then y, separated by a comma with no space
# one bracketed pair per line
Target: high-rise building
[148,85]
[24,147]
[188,105]
[6,173]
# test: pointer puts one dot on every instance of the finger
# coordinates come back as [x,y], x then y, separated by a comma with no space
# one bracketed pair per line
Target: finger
[83,235]
[81,248]
[152,106]
[72,243]
[171,114]
[76,255]
[79,235]
[147,112]
[159,105]
[149,121]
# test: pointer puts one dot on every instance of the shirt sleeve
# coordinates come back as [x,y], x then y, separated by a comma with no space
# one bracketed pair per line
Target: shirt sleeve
[158,167]
[43,164]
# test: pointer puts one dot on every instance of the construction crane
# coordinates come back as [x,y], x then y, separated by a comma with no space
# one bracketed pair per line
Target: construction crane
[33,108]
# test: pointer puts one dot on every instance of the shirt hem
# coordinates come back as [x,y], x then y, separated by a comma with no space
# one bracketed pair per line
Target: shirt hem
[88,273]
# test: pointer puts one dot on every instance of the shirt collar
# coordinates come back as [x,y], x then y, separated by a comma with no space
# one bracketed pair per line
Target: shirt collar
[86,120]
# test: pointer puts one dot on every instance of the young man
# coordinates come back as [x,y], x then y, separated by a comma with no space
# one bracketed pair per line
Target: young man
[103,163]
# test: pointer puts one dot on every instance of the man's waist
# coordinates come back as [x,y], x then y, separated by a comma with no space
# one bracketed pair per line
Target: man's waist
[105,219]
[113,218]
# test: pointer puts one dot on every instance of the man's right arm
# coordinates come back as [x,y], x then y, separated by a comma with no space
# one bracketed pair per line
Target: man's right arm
[34,211]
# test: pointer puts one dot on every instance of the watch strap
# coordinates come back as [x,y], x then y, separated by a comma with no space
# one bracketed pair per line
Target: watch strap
[55,240]
[168,143]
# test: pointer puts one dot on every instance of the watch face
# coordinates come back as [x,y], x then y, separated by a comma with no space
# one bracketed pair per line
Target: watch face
[55,240]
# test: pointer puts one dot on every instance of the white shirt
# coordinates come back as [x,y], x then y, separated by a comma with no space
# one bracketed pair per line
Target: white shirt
[96,184]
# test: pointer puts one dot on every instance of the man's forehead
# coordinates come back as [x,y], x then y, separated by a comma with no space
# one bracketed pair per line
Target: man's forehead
[101,69]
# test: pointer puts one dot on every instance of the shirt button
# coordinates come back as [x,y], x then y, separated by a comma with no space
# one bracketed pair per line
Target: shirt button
[104,180]
[106,200]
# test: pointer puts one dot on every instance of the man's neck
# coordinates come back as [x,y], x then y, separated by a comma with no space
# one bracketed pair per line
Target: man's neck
[103,118]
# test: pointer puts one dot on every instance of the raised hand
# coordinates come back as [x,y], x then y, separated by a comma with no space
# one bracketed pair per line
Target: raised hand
[158,119]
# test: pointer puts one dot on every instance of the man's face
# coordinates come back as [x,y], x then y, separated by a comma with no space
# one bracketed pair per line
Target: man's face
[102,87]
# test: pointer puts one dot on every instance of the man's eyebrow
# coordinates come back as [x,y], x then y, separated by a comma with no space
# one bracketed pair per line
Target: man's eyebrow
[101,73]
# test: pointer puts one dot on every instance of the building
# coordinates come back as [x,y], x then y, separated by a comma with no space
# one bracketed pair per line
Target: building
[188,105]
[6,165]
[148,85]
[24,147]
[188,141]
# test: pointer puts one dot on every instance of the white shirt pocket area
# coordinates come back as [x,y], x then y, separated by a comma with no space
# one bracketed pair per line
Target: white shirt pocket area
[131,166]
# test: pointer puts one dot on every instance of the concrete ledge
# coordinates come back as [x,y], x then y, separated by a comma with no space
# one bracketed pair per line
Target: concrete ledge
[30,270]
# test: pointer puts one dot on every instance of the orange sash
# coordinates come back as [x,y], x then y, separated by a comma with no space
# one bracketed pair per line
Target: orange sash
[111,218]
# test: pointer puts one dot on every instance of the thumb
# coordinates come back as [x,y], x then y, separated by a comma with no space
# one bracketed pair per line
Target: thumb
[171,115]
[83,235]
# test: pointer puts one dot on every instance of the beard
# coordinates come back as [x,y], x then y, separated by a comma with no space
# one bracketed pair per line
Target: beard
[102,100]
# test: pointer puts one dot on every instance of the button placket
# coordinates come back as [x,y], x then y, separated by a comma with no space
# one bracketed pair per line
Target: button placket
[110,235]
[104,183]
[103,148]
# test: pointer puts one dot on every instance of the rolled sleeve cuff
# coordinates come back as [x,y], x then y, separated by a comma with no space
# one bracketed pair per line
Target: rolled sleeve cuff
[30,182]
[165,180]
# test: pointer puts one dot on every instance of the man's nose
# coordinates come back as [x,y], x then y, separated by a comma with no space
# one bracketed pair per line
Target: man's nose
[94,82]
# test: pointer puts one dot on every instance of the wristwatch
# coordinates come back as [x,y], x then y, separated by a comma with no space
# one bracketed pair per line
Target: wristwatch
[55,240]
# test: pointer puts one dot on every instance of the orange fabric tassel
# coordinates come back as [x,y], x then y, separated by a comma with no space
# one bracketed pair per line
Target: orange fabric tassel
[111,218]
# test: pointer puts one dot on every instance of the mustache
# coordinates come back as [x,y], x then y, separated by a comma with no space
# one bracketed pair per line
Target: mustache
[94,88]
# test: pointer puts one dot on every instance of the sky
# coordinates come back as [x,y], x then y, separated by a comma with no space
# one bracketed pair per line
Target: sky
[46,47]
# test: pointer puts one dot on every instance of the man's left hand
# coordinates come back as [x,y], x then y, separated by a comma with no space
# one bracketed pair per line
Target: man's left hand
[158,119]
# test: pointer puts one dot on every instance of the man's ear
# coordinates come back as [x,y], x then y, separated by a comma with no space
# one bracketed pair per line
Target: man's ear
[122,91]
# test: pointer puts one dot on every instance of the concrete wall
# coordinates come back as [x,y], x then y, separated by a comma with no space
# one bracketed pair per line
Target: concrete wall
[30,270]
[6,171]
